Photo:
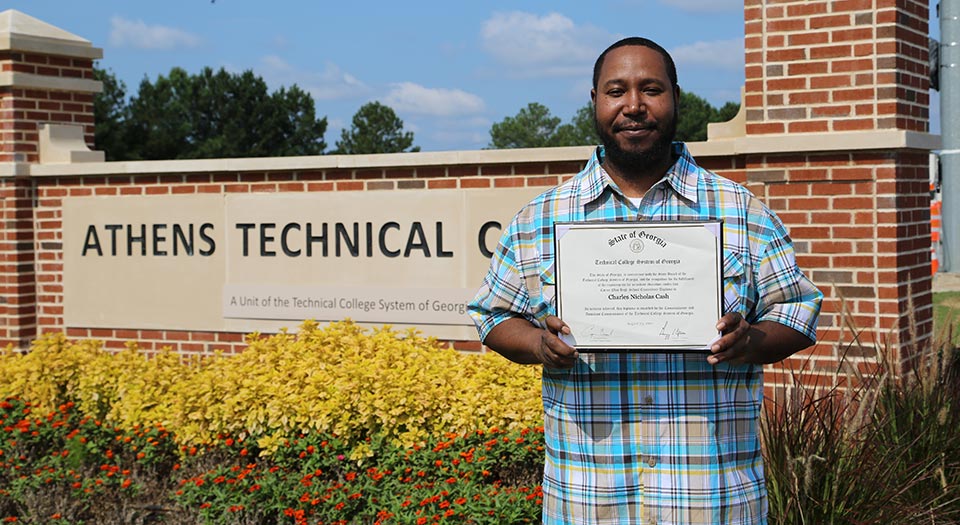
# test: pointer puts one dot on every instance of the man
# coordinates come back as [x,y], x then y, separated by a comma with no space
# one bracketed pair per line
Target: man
[650,437]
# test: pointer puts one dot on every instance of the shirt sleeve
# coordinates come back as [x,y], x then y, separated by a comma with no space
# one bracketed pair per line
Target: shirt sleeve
[502,294]
[785,294]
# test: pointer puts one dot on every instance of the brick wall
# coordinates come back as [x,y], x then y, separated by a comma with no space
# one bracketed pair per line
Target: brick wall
[837,65]
[23,110]
[828,83]
[860,218]
[18,301]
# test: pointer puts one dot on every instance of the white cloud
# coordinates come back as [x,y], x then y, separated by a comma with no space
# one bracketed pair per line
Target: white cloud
[329,84]
[137,34]
[466,133]
[408,97]
[705,5]
[719,54]
[549,45]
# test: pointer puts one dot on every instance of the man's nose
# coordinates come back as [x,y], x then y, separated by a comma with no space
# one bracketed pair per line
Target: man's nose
[634,104]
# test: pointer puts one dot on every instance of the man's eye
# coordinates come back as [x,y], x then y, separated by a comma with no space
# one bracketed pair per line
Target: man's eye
[615,92]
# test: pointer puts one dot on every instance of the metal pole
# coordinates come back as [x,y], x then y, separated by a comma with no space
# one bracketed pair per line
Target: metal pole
[950,131]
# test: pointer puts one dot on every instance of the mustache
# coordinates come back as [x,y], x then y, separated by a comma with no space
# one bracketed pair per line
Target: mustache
[635,126]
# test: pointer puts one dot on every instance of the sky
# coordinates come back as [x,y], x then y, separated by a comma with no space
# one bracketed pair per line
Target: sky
[450,70]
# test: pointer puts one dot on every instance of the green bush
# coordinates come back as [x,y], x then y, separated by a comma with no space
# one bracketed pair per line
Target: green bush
[61,467]
[339,425]
[340,380]
[333,425]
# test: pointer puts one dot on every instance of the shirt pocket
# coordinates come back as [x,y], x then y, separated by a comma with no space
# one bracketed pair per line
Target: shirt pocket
[734,283]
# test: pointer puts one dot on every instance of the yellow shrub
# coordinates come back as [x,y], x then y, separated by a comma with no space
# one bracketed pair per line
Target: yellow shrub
[49,373]
[340,379]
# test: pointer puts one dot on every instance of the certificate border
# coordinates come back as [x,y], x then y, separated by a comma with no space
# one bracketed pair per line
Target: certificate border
[613,225]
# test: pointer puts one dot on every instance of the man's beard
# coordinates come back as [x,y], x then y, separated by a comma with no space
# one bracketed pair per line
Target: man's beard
[645,159]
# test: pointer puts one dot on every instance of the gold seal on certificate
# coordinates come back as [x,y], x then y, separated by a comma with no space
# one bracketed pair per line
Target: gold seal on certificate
[652,286]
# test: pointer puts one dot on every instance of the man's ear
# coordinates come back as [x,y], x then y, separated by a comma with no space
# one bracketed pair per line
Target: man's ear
[593,96]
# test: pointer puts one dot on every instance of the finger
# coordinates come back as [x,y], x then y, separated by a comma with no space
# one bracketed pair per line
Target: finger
[730,319]
[718,357]
[732,327]
[729,339]
[556,325]
[556,353]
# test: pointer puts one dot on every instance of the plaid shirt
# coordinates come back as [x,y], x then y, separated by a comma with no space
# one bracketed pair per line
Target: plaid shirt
[652,437]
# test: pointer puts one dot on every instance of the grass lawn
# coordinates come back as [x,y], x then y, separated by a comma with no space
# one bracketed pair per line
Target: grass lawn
[946,313]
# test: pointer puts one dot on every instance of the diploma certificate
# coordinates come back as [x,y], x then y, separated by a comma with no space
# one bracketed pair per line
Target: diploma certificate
[650,286]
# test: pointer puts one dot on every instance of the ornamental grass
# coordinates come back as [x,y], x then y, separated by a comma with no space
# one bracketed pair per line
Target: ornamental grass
[875,442]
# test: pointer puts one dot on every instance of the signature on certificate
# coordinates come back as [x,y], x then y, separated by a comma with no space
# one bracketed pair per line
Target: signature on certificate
[598,333]
[672,334]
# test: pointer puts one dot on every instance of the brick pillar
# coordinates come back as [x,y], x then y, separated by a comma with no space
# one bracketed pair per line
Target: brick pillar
[837,109]
[46,77]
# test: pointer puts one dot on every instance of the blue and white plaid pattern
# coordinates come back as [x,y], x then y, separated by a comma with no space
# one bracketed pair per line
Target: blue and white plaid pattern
[648,437]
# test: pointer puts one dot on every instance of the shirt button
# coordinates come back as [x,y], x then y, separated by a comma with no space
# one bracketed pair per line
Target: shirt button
[648,400]
[652,461]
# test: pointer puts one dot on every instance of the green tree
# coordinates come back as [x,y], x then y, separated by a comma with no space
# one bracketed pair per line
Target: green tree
[219,115]
[580,131]
[535,127]
[110,115]
[375,129]
[696,113]
[728,111]
[532,127]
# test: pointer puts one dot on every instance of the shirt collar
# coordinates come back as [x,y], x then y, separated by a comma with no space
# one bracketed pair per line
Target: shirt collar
[683,176]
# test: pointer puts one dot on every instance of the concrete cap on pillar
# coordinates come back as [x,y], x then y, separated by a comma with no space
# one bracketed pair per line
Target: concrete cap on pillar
[22,32]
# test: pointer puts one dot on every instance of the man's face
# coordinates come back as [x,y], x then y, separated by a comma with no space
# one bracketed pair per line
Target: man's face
[635,107]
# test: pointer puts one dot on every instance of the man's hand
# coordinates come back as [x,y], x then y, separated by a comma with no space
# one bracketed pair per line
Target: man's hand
[521,342]
[761,343]
[735,338]
[552,351]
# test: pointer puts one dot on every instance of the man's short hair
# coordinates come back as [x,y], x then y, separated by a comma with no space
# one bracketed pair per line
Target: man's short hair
[637,41]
